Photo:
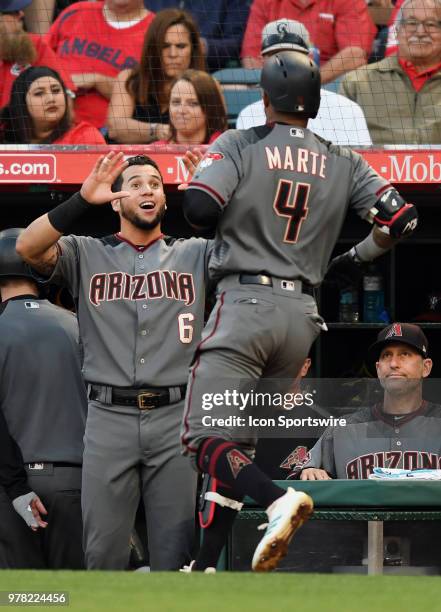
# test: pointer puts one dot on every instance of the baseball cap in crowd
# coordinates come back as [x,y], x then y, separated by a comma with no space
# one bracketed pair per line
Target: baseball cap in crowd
[285,34]
[11,6]
[406,333]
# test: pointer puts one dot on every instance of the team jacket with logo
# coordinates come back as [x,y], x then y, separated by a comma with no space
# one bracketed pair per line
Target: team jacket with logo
[372,438]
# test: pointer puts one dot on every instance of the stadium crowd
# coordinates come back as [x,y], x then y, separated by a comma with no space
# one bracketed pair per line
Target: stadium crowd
[148,72]
[118,60]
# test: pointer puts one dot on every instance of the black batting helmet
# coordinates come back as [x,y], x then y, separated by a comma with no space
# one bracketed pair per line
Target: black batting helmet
[292,83]
[11,264]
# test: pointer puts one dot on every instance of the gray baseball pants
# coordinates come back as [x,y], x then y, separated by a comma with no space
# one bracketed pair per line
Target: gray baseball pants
[254,332]
[129,453]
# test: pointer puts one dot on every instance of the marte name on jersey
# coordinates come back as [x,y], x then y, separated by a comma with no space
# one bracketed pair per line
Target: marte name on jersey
[111,286]
[296,160]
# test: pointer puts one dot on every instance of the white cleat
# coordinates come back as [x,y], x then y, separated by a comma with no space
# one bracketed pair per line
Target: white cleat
[188,569]
[285,515]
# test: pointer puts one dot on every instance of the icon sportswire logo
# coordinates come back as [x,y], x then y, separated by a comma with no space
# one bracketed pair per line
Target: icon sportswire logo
[27,168]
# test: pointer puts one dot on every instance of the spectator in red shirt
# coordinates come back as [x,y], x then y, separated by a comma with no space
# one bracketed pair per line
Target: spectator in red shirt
[95,41]
[342,30]
[39,112]
[18,49]
[197,110]
[138,111]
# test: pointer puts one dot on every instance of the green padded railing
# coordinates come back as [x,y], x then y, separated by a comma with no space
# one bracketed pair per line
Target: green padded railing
[364,500]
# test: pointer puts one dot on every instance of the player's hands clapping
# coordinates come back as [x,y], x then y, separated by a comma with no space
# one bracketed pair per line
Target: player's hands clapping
[96,188]
[314,474]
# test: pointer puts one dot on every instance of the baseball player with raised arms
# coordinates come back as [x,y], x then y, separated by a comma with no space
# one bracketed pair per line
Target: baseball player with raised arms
[140,299]
[402,432]
[277,195]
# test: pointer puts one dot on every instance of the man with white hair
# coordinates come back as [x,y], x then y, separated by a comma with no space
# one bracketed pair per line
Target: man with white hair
[401,94]
[338,119]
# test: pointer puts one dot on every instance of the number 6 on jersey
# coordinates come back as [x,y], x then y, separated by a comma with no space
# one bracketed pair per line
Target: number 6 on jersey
[185,327]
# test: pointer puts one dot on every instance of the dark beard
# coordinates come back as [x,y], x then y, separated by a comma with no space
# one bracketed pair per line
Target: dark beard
[141,223]
[17,48]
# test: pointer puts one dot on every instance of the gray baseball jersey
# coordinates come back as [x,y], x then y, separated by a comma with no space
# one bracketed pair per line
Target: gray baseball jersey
[284,193]
[42,392]
[373,438]
[140,309]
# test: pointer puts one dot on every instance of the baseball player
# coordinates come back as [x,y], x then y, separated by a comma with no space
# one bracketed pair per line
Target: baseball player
[43,400]
[404,432]
[277,195]
[140,299]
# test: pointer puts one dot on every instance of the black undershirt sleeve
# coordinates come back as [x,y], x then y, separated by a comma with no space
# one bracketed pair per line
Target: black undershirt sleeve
[200,209]
[12,473]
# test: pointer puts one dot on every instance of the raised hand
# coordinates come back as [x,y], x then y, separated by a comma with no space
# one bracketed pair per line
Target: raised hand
[191,160]
[96,188]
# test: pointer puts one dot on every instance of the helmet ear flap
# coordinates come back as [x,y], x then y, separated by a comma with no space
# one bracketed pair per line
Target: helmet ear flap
[292,83]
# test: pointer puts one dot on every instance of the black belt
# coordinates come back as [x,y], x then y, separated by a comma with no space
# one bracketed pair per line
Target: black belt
[144,399]
[263,279]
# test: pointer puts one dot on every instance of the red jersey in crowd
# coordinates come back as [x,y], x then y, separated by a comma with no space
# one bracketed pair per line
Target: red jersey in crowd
[85,43]
[392,43]
[332,24]
[45,57]
[81,133]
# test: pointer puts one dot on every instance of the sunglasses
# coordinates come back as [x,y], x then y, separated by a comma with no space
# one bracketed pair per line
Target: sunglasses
[10,12]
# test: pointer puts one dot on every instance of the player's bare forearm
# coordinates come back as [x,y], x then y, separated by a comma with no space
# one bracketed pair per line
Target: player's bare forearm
[37,245]
[345,60]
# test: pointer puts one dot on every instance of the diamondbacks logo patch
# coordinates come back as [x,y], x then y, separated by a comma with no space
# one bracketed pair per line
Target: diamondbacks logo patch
[237,461]
[395,331]
[296,459]
[209,158]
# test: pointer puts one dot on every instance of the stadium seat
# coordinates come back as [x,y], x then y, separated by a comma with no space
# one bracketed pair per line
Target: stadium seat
[240,88]
[238,76]
[332,86]
[236,100]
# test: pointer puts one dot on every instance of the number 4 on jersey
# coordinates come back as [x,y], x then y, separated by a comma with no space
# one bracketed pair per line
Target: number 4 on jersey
[295,209]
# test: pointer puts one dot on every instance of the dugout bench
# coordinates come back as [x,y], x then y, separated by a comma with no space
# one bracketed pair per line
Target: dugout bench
[371,501]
